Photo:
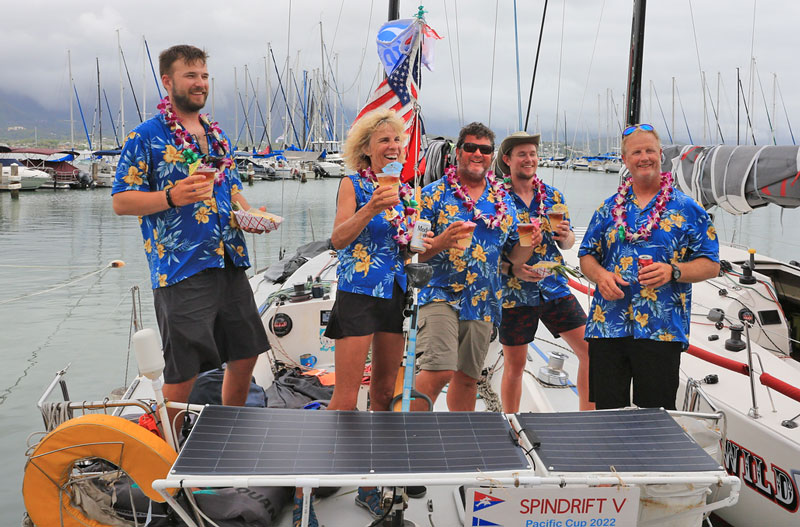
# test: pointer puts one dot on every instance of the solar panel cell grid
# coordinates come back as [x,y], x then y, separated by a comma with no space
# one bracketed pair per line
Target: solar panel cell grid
[258,441]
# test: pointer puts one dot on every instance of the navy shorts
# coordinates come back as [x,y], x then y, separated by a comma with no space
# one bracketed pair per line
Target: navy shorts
[207,319]
[652,365]
[519,324]
[356,315]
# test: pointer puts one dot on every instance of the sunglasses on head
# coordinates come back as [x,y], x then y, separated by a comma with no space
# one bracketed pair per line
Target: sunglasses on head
[629,130]
[471,147]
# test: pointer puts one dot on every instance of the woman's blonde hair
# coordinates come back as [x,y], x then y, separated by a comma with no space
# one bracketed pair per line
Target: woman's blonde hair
[361,132]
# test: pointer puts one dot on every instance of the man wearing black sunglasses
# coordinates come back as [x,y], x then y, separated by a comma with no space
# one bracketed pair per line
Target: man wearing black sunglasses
[473,218]
[644,247]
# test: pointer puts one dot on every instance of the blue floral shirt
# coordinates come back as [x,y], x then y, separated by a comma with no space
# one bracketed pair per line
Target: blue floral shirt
[178,242]
[685,232]
[518,292]
[373,261]
[469,281]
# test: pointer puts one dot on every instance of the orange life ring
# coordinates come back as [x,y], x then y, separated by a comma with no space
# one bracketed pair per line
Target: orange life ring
[144,456]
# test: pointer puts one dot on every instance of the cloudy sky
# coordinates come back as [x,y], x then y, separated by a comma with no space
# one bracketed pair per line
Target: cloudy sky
[583,58]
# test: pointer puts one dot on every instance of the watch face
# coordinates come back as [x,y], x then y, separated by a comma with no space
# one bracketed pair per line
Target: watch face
[676,272]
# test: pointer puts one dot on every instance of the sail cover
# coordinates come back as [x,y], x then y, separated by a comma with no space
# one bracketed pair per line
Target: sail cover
[736,178]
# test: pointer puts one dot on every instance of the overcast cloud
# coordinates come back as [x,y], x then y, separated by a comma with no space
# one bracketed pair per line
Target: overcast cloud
[596,35]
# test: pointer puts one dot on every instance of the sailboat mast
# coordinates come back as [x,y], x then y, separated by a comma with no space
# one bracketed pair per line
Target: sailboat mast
[144,78]
[99,105]
[269,94]
[121,91]
[394,9]
[635,66]
[72,116]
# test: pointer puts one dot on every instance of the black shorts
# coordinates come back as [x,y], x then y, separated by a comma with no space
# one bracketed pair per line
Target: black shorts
[207,319]
[356,315]
[519,324]
[653,366]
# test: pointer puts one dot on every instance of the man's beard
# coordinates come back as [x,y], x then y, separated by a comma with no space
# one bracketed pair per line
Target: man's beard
[183,103]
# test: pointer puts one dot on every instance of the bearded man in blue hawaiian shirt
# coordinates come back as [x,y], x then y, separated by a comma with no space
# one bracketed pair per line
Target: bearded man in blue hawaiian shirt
[644,247]
[195,249]
[462,302]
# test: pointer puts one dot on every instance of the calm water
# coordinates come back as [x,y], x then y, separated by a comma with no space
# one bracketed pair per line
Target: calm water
[50,239]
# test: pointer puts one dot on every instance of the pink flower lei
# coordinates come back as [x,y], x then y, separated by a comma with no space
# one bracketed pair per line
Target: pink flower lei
[541,194]
[497,189]
[618,211]
[403,236]
[188,148]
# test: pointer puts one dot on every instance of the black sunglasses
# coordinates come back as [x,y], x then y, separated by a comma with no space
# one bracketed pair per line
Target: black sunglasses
[471,147]
[629,130]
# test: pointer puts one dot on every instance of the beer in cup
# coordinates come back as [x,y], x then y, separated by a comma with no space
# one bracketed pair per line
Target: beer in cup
[464,243]
[526,234]
[388,179]
[209,173]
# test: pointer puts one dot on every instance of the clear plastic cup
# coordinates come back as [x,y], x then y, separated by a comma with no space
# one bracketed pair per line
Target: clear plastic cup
[464,243]
[209,173]
[385,180]
[525,231]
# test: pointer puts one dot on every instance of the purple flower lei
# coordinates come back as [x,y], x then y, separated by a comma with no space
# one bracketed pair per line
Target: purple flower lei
[403,236]
[188,148]
[497,189]
[618,211]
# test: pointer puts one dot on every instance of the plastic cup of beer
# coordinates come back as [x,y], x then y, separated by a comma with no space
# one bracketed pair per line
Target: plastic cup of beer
[388,179]
[209,173]
[525,231]
[464,243]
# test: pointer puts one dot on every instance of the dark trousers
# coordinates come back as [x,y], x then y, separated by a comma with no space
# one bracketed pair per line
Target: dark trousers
[652,365]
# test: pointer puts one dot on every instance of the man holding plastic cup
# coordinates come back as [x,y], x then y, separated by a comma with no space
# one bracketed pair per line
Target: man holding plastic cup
[472,218]
[176,173]
[639,319]
[529,295]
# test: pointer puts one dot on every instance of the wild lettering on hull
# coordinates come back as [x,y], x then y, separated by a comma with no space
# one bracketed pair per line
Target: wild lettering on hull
[753,471]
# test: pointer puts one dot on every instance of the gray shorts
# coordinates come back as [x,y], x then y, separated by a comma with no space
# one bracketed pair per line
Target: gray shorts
[207,319]
[447,343]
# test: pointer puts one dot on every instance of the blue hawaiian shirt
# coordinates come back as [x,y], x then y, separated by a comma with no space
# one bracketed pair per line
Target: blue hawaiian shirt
[685,232]
[373,261]
[469,281]
[178,242]
[518,292]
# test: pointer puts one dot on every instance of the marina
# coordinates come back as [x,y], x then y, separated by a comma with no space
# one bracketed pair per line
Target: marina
[729,450]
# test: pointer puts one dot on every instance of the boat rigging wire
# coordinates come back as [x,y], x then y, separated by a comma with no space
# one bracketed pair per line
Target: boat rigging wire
[663,117]
[783,103]
[33,358]
[453,67]
[458,52]
[558,91]
[747,112]
[766,108]
[536,61]
[683,113]
[494,48]
[62,285]
[516,54]
[588,74]
[699,67]
[130,82]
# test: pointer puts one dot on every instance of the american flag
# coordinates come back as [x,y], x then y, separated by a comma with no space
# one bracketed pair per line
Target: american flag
[399,92]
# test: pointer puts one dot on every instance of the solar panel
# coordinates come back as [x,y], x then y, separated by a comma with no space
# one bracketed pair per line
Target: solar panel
[645,440]
[229,440]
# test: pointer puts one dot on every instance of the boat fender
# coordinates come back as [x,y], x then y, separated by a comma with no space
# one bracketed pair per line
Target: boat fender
[135,450]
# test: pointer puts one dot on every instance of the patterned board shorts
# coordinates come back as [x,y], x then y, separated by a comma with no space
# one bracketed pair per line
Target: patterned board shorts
[519,324]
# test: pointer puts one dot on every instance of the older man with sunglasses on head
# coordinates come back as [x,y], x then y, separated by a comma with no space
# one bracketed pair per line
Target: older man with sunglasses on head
[473,219]
[644,247]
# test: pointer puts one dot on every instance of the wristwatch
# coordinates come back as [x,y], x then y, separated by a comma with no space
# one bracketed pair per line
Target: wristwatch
[676,272]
